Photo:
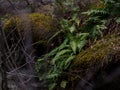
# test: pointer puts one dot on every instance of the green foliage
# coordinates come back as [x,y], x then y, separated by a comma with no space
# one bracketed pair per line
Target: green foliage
[95,23]
[112,6]
[98,17]
[94,26]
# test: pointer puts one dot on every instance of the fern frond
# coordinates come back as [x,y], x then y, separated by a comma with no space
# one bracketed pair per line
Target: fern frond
[68,61]
[73,46]
[60,53]
[81,44]
[94,12]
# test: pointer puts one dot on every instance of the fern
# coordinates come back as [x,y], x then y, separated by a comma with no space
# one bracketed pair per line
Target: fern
[96,22]
[97,12]
[112,6]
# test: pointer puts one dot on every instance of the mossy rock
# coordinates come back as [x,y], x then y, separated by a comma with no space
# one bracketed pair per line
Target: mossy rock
[99,52]
[42,26]
[95,62]
[38,28]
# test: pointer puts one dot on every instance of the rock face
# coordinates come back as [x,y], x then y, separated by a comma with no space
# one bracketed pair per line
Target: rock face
[98,67]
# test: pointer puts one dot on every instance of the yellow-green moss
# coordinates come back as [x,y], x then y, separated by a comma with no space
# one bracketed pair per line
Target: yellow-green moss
[12,23]
[41,21]
[43,26]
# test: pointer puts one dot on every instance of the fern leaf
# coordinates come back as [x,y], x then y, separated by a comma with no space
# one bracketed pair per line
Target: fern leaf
[52,86]
[72,28]
[60,53]
[53,52]
[63,52]
[52,75]
[73,45]
[82,36]
[61,64]
[64,45]
[68,61]
[81,44]
[90,12]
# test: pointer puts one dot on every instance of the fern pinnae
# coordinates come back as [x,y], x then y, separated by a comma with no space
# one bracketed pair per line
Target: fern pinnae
[68,61]
[52,75]
[81,44]
[73,45]
[53,52]
[62,52]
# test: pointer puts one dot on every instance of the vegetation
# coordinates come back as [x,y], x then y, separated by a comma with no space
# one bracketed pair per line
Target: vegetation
[75,43]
